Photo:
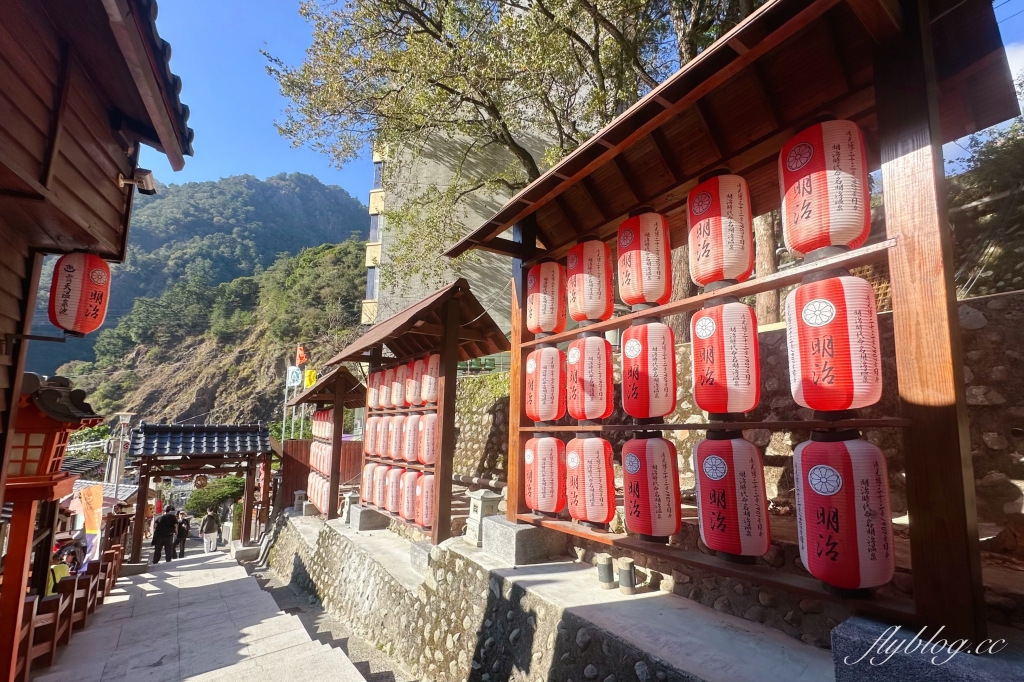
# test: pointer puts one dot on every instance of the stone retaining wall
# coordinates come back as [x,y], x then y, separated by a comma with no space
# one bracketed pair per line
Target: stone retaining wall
[462,622]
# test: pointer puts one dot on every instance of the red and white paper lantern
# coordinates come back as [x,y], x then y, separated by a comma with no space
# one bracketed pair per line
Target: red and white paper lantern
[383,429]
[411,438]
[823,177]
[396,429]
[373,390]
[726,375]
[590,480]
[721,237]
[544,464]
[648,370]
[79,292]
[384,392]
[589,387]
[393,490]
[651,481]
[545,385]
[835,361]
[414,383]
[589,265]
[366,484]
[545,298]
[431,372]
[398,386]
[843,513]
[645,260]
[370,435]
[380,482]
[731,497]
[428,445]
[425,500]
[407,509]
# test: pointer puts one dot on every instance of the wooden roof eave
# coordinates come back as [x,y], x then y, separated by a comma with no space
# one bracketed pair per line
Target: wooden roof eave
[685,93]
[323,391]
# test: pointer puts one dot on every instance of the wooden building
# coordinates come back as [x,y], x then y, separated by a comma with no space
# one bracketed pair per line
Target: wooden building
[82,85]
[913,75]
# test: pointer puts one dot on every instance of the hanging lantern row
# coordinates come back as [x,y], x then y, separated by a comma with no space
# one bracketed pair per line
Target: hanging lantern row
[79,293]
[410,385]
[323,424]
[407,493]
[318,491]
[320,457]
[412,438]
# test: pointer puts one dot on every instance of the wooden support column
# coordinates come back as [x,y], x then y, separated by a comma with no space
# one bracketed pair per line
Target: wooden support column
[139,525]
[523,233]
[447,373]
[334,483]
[940,478]
[12,597]
[44,548]
[247,500]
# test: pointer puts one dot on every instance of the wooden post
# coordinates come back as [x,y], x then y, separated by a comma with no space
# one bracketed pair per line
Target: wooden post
[139,525]
[12,599]
[940,480]
[44,548]
[522,233]
[247,500]
[334,483]
[447,373]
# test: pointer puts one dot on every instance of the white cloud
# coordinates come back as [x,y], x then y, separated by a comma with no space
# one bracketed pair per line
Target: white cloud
[1015,56]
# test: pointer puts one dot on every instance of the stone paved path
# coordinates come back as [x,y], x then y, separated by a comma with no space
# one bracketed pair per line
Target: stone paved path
[201,619]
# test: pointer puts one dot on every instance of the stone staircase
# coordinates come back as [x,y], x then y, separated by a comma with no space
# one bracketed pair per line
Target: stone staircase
[198,619]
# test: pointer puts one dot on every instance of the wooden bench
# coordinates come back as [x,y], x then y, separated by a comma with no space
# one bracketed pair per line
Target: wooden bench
[51,626]
[25,639]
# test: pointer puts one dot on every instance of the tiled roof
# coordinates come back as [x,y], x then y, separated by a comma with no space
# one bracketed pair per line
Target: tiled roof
[80,466]
[191,439]
[162,52]
[124,492]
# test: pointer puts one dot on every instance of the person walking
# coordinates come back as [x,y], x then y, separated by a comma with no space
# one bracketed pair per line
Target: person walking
[209,529]
[164,530]
[184,526]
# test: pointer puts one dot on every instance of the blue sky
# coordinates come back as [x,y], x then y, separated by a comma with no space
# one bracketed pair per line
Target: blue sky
[215,48]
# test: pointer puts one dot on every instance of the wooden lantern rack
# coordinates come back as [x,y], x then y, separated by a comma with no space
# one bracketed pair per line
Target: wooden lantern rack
[911,83]
[452,323]
[341,390]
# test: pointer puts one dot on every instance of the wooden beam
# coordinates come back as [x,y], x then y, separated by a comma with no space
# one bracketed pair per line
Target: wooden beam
[447,372]
[516,490]
[948,586]
[507,248]
[706,124]
[622,166]
[465,334]
[139,524]
[766,97]
[664,151]
[881,18]
[568,215]
[596,198]
[59,107]
[267,474]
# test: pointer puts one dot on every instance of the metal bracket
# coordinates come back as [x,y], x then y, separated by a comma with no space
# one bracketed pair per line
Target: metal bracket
[7,338]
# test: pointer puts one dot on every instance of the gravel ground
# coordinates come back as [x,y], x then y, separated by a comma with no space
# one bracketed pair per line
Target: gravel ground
[372,663]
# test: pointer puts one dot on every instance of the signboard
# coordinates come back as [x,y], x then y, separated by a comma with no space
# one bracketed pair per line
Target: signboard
[310,378]
[92,504]
[294,377]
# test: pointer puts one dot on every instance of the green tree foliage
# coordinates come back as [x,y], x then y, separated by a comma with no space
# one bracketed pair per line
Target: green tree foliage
[496,90]
[216,492]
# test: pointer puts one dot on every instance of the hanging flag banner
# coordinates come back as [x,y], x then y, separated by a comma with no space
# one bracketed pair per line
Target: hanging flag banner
[294,377]
[92,504]
[310,378]
[300,355]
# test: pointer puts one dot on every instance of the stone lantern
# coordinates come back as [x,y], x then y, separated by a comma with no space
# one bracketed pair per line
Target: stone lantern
[482,503]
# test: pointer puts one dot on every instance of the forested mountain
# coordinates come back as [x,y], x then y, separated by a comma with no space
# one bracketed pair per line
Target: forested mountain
[210,233]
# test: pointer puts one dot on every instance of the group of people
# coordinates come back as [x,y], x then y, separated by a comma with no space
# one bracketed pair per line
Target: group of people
[171,529]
